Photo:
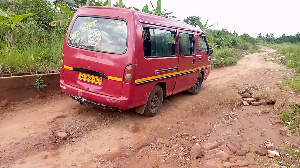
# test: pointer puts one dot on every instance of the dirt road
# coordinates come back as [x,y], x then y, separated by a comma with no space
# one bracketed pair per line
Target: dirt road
[211,129]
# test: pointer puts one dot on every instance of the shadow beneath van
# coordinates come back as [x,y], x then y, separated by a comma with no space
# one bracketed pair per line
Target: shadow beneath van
[97,118]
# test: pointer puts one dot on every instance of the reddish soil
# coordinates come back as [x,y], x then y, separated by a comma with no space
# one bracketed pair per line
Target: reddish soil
[211,129]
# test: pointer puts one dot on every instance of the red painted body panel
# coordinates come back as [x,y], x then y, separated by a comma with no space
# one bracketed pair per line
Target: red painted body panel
[128,95]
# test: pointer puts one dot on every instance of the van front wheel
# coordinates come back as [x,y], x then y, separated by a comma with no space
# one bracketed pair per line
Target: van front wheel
[154,102]
[196,88]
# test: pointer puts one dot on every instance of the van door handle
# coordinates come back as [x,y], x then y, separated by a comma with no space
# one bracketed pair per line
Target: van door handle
[199,58]
[194,60]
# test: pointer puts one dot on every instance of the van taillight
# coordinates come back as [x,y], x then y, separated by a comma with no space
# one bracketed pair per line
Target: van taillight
[129,73]
[62,59]
[62,66]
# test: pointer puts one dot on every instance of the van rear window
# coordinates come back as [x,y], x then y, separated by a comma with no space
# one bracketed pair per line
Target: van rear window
[99,34]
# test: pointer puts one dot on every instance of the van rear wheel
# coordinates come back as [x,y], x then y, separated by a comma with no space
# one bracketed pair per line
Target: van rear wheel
[154,102]
[196,88]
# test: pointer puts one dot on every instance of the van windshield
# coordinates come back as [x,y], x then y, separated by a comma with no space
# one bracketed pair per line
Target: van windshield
[99,34]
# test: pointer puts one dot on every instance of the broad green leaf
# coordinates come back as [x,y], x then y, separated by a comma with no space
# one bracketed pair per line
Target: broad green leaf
[106,3]
[121,5]
[158,7]
[137,9]
[145,9]
[98,4]
[209,26]
[5,20]
[19,18]
[3,13]
[205,24]
[200,25]
[69,12]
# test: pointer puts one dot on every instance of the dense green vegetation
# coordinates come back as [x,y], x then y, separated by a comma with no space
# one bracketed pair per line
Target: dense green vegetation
[289,47]
[292,60]
[36,46]
[37,40]
[292,118]
[228,47]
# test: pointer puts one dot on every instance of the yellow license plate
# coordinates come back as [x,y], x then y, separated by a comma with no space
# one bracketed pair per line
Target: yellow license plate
[90,78]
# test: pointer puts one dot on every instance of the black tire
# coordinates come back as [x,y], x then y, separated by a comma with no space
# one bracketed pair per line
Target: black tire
[154,101]
[196,88]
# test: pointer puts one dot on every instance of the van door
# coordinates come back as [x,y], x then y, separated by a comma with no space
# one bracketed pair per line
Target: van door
[158,62]
[186,62]
[202,57]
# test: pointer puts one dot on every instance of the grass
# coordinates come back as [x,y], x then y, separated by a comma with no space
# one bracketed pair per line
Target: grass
[43,57]
[294,153]
[292,60]
[292,54]
[36,50]
[229,56]
[229,47]
[292,118]
[294,83]
[39,51]
[226,57]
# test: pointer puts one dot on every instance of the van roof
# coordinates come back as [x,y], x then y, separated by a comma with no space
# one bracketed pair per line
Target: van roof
[148,18]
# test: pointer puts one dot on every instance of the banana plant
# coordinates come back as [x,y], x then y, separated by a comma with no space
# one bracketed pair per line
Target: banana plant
[145,9]
[203,27]
[101,3]
[62,22]
[65,22]
[159,12]
[12,23]
[68,11]
[121,4]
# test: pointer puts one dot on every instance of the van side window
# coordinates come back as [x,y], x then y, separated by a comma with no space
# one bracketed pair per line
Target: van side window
[202,43]
[186,44]
[158,42]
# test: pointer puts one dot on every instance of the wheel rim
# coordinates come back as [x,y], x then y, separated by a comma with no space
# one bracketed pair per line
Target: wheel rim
[198,84]
[154,102]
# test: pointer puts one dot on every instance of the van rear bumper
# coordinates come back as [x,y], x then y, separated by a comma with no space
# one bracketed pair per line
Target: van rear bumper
[119,102]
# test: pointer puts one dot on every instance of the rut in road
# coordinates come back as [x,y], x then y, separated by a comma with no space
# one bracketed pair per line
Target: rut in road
[106,138]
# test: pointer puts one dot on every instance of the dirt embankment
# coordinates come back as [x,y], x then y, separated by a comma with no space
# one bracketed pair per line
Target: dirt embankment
[211,129]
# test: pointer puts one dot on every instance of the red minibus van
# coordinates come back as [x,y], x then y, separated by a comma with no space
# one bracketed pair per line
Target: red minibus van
[128,59]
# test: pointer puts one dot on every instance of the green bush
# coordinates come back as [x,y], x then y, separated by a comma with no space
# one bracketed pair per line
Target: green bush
[292,60]
[229,47]
[286,117]
[36,50]
[292,118]
[225,57]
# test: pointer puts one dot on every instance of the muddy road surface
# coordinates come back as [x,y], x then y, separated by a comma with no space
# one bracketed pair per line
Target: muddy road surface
[211,129]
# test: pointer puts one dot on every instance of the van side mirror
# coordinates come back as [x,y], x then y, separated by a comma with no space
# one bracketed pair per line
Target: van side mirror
[210,51]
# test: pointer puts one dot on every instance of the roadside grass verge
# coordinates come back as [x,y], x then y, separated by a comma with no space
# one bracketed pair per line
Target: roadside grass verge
[36,58]
[225,57]
[292,118]
[36,50]
[295,154]
[229,47]
[294,83]
[292,60]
